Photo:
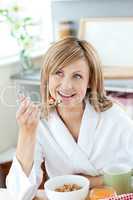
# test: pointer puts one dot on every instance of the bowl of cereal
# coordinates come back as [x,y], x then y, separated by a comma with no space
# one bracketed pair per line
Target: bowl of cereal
[67,187]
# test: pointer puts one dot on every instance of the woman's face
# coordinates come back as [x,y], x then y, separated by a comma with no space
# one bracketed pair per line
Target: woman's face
[69,84]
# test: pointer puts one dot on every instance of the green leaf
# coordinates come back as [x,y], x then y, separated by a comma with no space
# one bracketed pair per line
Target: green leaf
[3,12]
[15,8]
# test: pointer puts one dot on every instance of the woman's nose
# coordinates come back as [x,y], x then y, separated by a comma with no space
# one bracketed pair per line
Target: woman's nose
[66,84]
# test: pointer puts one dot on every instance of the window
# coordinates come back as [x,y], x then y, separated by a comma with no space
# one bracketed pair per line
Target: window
[40,11]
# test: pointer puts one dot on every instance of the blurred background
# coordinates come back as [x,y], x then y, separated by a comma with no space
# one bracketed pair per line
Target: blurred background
[29,27]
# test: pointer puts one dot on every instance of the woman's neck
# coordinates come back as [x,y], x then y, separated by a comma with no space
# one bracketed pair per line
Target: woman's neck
[71,113]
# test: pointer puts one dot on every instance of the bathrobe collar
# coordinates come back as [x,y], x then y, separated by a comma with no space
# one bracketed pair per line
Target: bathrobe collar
[86,134]
[84,145]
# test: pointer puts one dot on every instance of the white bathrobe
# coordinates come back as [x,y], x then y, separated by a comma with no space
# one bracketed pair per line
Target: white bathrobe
[104,138]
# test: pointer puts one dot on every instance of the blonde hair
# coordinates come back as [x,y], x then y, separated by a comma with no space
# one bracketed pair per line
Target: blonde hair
[64,52]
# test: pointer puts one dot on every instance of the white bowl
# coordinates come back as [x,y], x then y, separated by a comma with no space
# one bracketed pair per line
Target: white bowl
[59,181]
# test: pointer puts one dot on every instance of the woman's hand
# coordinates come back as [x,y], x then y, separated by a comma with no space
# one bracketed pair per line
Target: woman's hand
[27,116]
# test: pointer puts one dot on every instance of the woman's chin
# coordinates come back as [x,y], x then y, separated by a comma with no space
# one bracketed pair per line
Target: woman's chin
[69,104]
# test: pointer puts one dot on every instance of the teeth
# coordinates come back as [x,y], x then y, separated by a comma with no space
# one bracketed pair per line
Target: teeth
[65,94]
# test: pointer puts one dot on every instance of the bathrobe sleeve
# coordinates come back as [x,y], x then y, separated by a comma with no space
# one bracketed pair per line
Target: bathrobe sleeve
[128,140]
[122,139]
[20,186]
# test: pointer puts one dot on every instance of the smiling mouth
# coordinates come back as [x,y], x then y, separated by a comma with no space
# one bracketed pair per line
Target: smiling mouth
[65,96]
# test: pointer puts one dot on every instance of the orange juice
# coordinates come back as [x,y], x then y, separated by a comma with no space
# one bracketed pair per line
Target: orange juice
[101,193]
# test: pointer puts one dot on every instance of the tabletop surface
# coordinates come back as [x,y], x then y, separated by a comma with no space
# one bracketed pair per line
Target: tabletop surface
[5,196]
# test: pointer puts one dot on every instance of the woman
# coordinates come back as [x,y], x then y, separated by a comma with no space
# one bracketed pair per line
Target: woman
[82,131]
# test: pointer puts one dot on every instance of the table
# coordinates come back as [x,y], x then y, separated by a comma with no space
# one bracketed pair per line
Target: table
[5,196]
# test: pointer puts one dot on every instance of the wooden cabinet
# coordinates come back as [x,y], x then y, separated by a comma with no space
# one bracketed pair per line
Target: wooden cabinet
[4,169]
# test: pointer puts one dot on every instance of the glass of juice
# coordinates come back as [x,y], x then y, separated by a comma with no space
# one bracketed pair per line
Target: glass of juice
[100,193]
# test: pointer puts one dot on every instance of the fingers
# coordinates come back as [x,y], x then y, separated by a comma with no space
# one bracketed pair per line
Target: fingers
[20,98]
[31,112]
[25,102]
[35,115]
[28,113]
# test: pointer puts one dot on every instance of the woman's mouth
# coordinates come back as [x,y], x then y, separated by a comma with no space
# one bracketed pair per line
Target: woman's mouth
[66,96]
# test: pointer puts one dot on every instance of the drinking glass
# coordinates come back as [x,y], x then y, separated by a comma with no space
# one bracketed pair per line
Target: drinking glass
[100,193]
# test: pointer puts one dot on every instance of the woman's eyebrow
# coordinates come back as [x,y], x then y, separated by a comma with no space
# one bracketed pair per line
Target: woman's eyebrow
[77,72]
[60,69]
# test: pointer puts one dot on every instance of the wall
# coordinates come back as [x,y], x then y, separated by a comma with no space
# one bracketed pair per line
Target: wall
[74,10]
[8,127]
[8,107]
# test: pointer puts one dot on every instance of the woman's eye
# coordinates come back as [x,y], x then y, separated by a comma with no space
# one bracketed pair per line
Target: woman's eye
[77,76]
[59,73]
